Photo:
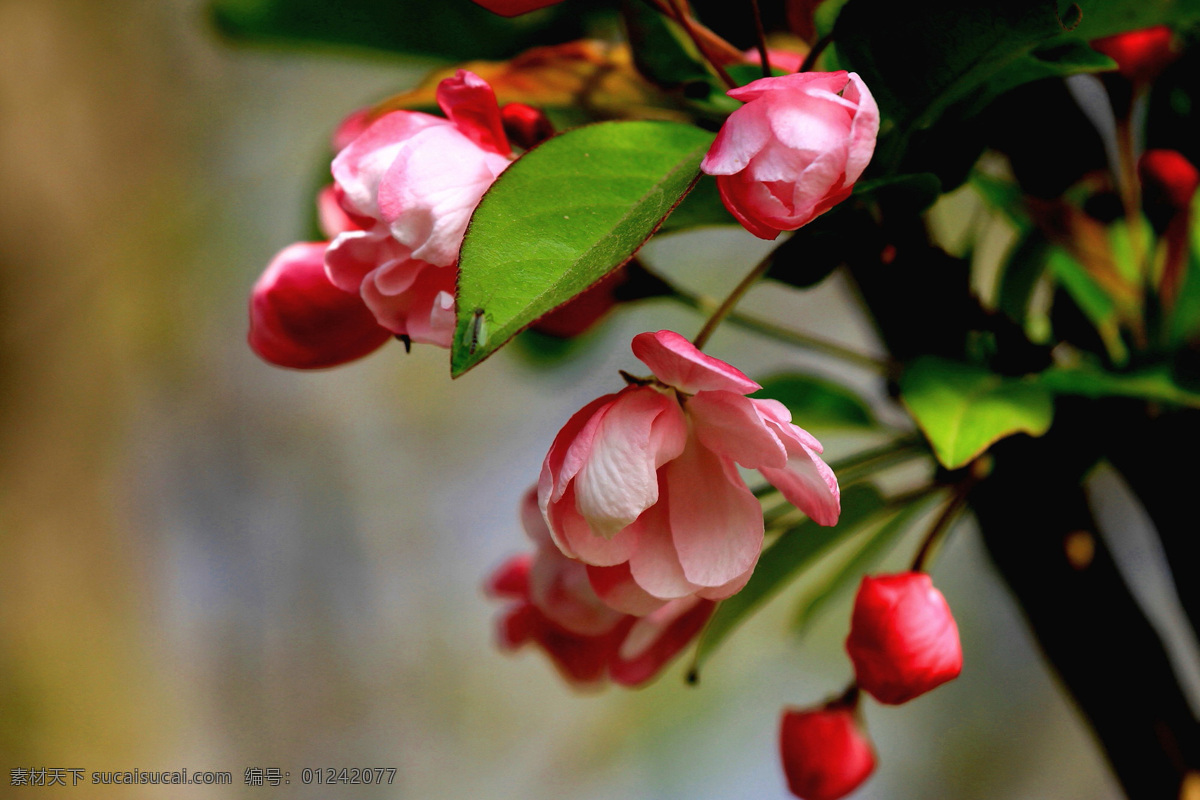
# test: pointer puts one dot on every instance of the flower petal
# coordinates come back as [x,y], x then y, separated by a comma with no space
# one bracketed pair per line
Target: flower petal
[470,103]
[716,522]
[731,426]
[807,482]
[619,479]
[677,362]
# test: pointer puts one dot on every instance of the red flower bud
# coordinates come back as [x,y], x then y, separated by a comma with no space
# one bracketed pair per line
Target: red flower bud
[1168,178]
[299,319]
[525,125]
[903,639]
[1140,55]
[825,754]
[514,8]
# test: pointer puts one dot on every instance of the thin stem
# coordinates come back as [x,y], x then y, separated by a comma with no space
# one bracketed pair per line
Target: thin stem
[727,305]
[943,522]
[810,60]
[707,305]
[689,26]
[762,39]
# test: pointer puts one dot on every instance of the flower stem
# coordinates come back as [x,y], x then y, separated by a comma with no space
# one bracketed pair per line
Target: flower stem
[709,305]
[680,14]
[762,39]
[729,302]
[810,60]
[944,521]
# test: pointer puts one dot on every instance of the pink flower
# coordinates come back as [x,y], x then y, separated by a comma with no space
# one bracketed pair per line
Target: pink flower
[1141,55]
[644,483]
[299,319]
[556,608]
[903,639]
[794,150]
[825,754]
[411,181]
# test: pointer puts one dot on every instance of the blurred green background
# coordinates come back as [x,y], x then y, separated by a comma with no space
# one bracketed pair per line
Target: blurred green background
[207,562]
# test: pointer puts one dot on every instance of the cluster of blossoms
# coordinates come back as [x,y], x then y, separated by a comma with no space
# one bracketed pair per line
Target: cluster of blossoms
[641,521]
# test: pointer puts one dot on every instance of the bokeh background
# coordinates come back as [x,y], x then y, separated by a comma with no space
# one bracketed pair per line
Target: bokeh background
[207,562]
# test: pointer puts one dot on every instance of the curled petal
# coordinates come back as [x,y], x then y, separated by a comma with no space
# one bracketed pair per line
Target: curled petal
[470,103]
[677,362]
[807,482]
[619,479]
[617,588]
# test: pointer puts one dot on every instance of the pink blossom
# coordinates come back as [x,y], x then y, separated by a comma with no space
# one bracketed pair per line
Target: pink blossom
[794,150]
[645,481]
[556,608]
[411,182]
[825,754]
[903,639]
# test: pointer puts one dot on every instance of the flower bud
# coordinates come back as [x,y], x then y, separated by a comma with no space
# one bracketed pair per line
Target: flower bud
[825,754]
[299,319]
[525,125]
[794,150]
[1168,179]
[903,639]
[514,8]
[1140,55]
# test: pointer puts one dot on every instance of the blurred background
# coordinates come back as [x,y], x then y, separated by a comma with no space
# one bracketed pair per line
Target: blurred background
[213,564]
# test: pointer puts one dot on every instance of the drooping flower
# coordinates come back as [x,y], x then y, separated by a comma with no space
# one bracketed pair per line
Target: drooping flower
[555,607]
[411,181]
[825,753]
[903,639]
[644,482]
[794,150]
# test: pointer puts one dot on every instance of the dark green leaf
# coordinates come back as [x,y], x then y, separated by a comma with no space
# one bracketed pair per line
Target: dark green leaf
[661,51]
[914,193]
[1154,383]
[561,218]
[456,30]
[1019,274]
[794,551]
[818,403]
[922,62]
[962,408]
[847,575]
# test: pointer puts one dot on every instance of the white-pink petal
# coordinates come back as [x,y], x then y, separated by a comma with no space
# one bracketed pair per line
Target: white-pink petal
[619,480]
[731,425]
[716,522]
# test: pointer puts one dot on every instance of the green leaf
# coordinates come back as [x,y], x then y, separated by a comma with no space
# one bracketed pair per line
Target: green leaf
[962,409]
[1154,383]
[950,58]
[1095,303]
[456,33]
[1023,267]
[877,545]
[818,403]
[661,51]
[793,552]
[561,218]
